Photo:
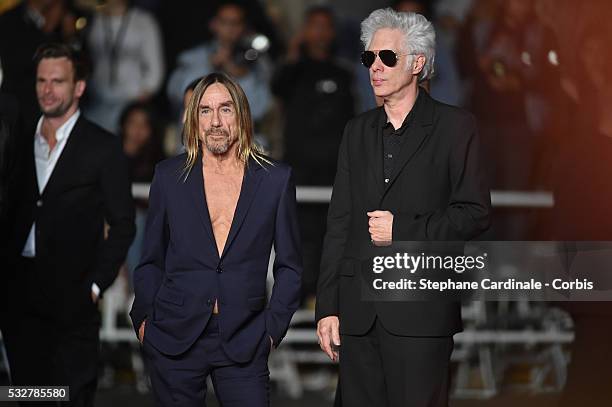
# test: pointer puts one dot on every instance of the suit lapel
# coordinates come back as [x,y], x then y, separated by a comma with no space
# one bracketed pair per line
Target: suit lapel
[416,134]
[374,152]
[195,184]
[250,184]
[30,166]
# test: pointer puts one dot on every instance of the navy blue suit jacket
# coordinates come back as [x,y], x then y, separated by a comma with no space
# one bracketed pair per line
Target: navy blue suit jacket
[181,273]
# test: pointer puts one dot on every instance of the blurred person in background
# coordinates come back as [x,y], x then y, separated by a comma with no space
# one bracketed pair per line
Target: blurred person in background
[73,179]
[511,62]
[472,42]
[445,86]
[225,52]
[187,96]
[22,30]
[184,24]
[215,213]
[141,138]
[125,48]
[315,90]
[472,38]
[410,170]
[521,65]
[583,197]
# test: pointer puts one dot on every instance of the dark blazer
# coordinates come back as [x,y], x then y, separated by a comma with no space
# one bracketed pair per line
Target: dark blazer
[438,192]
[9,137]
[9,121]
[181,272]
[88,187]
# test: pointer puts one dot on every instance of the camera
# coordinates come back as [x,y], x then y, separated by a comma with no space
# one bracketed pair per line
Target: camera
[250,48]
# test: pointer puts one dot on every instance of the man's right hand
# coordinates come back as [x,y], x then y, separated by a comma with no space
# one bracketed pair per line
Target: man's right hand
[141,331]
[328,331]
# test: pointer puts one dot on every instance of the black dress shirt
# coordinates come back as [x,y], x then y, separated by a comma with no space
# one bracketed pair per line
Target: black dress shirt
[393,138]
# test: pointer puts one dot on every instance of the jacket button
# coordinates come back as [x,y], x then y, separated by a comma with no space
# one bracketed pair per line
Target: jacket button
[209,302]
[39,203]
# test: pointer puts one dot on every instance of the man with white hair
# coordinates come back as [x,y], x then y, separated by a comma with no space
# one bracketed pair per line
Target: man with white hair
[409,170]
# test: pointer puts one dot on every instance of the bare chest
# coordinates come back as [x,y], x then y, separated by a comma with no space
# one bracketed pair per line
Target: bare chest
[222,193]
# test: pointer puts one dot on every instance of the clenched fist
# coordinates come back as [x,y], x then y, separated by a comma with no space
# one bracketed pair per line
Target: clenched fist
[380,227]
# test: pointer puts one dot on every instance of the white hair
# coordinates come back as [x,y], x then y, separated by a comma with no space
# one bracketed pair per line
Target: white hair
[419,34]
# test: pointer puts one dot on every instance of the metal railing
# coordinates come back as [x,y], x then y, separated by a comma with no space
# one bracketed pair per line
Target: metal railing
[469,342]
[313,194]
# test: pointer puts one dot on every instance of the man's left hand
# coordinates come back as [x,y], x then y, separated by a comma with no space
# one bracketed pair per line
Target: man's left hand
[381,226]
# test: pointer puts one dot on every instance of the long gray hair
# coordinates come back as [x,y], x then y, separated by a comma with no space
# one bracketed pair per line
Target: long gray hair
[419,34]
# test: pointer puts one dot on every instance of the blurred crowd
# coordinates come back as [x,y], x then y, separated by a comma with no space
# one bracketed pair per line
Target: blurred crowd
[534,73]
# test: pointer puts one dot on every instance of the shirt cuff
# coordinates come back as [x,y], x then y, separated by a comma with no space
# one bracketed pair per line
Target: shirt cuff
[95,289]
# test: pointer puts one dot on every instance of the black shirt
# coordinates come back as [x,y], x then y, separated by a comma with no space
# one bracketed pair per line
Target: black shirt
[393,139]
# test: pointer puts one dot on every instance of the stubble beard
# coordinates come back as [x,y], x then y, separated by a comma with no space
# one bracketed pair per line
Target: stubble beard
[217,147]
[57,111]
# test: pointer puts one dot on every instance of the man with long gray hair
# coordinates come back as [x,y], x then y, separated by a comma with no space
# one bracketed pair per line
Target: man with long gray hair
[407,171]
[214,213]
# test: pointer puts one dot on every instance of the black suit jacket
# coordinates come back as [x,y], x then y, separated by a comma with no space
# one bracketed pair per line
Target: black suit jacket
[438,192]
[88,187]
[9,121]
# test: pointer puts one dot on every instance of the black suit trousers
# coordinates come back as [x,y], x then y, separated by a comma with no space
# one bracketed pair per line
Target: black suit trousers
[385,370]
[45,352]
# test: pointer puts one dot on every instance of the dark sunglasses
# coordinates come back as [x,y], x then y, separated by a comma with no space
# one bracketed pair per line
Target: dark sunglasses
[387,57]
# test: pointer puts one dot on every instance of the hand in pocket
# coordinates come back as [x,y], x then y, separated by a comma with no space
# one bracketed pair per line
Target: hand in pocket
[141,331]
